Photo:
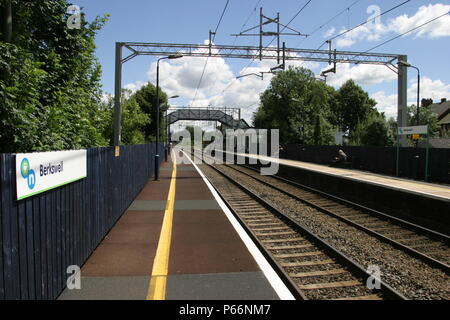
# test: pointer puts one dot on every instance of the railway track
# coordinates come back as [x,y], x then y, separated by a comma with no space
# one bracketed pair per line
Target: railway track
[310,266]
[427,245]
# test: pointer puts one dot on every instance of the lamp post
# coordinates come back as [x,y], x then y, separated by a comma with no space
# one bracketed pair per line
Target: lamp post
[173,56]
[406,64]
[168,129]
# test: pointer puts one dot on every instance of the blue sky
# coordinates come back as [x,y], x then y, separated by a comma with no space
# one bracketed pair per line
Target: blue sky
[189,22]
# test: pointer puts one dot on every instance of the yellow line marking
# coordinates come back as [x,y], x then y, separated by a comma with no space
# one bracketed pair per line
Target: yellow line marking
[157,286]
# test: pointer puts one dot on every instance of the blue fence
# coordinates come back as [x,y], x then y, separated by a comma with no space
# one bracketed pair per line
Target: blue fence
[42,235]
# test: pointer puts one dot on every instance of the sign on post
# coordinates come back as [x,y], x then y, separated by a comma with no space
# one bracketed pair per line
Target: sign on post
[415,132]
[42,171]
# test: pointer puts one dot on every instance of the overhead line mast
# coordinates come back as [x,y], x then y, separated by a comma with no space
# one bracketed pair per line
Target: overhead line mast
[264,20]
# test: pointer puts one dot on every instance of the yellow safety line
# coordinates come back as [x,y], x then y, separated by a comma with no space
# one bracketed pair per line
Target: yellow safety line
[157,286]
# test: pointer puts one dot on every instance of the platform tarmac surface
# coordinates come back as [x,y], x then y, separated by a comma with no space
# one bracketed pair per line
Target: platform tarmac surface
[207,260]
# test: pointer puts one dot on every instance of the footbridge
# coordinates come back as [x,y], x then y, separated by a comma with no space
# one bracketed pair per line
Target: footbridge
[225,116]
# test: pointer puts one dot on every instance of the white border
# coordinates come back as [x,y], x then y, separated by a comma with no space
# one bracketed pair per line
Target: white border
[272,277]
[73,164]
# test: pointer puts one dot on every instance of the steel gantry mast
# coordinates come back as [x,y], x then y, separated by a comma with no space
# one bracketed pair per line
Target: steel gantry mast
[256,52]
[263,20]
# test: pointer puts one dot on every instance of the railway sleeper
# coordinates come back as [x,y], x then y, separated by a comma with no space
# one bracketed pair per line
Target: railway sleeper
[337,284]
[317,273]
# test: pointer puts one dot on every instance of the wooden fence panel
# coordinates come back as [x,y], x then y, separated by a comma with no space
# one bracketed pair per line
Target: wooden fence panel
[42,235]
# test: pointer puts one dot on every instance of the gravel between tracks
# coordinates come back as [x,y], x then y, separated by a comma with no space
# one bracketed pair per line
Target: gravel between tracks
[410,276]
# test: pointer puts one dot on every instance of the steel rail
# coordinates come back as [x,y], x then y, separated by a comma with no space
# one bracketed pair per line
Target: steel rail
[353,266]
[430,260]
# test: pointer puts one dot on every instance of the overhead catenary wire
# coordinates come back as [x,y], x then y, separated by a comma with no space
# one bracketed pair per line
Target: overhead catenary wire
[247,20]
[242,28]
[220,20]
[298,12]
[207,58]
[293,18]
[406,32]
[361,24]
[369,20]
[327,22]
[284,27]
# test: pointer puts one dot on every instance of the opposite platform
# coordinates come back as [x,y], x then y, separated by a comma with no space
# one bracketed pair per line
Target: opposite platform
[421,188]
[425,204]
[207,257]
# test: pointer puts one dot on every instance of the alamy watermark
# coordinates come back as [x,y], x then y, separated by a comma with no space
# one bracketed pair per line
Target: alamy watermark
[374,18]
[374,280]
[74,279]
[234,147]
[74,19]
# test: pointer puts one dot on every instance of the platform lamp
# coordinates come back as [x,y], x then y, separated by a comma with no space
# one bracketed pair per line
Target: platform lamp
[172,56]
[168,129]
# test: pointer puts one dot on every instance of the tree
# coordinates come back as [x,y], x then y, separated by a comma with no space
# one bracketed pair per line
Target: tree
[392,131]
[426,117]
[146,99]
[299,106]
[376,131]
[133,119]
[50,99]
[353,106]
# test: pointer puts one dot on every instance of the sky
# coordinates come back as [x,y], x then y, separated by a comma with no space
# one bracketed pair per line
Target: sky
[189,22]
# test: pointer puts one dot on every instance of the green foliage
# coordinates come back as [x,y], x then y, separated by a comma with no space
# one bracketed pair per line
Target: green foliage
[50,90]
[299,106]
[353,106]
[146,100]
[20,108]
[392,131]
[426,117]
[133,119]
[309,111]
[375,131]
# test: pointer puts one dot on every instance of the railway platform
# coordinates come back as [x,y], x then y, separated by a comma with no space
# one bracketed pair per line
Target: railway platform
[177,241]
[423,203]
[417,187]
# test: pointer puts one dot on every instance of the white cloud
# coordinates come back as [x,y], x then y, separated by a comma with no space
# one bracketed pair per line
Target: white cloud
[386,103]
[219,87]
[106,97]
[364,74]
[135,86]
[181,76]
[436,29]
[400,24]
[369,33]
[329,32]
[434,89]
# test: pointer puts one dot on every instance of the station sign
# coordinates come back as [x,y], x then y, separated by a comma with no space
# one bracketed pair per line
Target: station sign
[42,171]
[415,133]
[413,130]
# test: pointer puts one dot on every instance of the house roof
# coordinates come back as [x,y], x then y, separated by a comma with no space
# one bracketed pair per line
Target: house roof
[445,119]
[440,108]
